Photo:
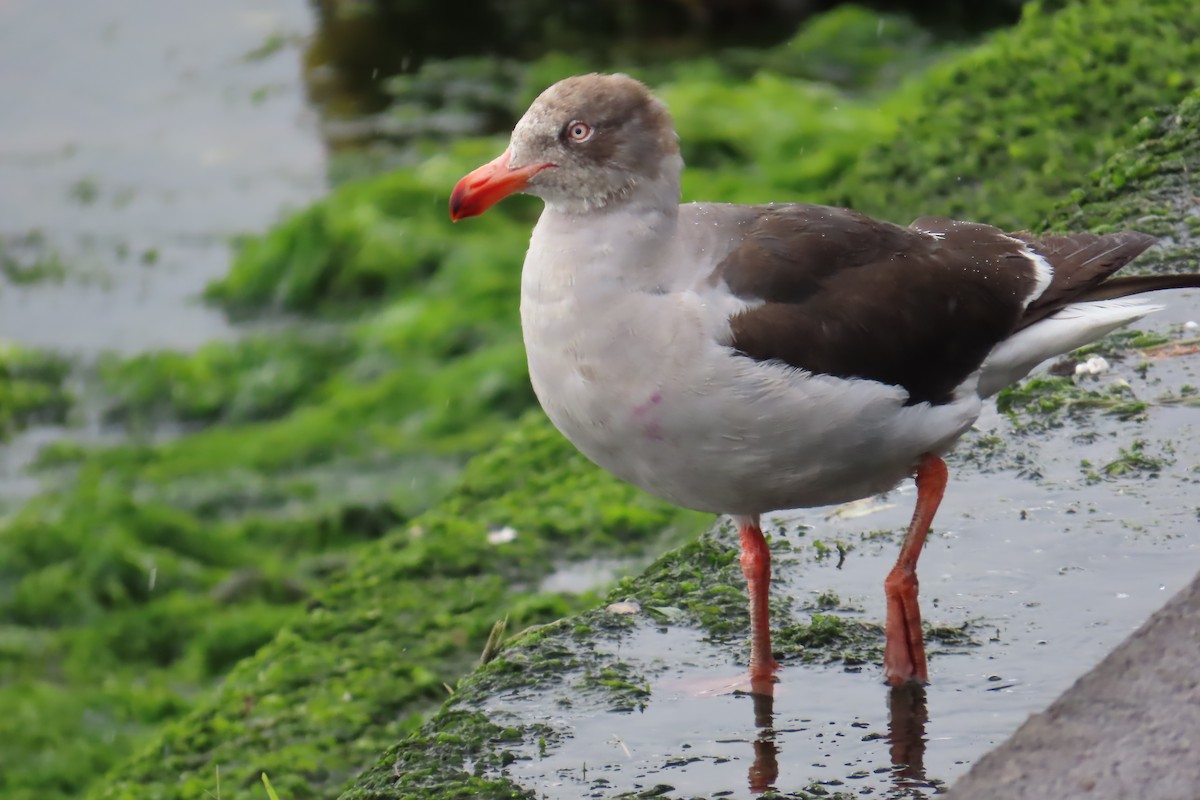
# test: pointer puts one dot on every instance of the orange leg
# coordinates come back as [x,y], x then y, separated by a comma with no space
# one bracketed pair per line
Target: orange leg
[904,651]
[756,566]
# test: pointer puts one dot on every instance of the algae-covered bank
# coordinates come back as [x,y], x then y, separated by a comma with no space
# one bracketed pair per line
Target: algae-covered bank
[305,535]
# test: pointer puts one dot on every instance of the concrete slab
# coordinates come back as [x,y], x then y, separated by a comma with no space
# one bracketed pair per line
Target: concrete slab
[1130,728]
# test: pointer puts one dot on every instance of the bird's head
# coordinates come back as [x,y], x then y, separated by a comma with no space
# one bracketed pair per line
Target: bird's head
[588,142]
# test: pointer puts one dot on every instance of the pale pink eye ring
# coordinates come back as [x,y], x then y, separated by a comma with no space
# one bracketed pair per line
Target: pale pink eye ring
[579,131]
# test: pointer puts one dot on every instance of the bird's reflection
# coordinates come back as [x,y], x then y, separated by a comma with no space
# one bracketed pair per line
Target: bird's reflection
[764,770]
[907,716]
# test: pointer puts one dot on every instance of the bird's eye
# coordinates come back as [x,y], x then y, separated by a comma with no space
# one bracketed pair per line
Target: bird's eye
[579,131]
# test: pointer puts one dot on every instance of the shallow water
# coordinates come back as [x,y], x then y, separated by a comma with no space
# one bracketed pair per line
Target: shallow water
[138,138]
[1050,572]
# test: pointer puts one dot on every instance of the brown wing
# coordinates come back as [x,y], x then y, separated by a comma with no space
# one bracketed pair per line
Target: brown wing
[918,307]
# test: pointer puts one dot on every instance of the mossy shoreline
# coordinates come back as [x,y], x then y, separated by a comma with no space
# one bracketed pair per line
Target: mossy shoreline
[401,622]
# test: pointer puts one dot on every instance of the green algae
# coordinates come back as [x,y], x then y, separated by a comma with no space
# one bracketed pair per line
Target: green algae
[441,84]
[399,398]
[376,238]
[1132,461]
[160,565]
[699,583]
[27,259]
[161,562]
[434,764]
[855,49]
[849,46]
[405,618]
[1011,129]
[1050,400]
[566,650]
[827,639]
[1121,343]
[117,614]
[1150,187]
[625,689]
[32,388]
[257,378]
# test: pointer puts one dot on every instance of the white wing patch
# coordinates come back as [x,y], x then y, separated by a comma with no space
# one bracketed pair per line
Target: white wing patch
[1042,271]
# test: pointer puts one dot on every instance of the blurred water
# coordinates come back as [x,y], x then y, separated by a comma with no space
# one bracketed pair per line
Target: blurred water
[138,137]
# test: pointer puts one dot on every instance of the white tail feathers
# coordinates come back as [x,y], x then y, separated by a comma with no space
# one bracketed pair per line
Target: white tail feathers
[1074,326]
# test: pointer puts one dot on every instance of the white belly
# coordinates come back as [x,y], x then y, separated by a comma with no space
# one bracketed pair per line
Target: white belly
[643,390]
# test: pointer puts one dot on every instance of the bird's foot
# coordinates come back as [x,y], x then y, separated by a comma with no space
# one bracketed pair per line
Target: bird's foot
[904,649]
[900,670]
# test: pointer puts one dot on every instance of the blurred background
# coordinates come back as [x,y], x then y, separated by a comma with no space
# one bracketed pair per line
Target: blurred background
[245,361]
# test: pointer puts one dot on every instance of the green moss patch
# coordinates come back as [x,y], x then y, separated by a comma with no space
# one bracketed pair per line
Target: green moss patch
[831,639]
[849,46]
[1011,129]
[1046,400]
[252,379]
[1137,460]
[32,388]
[1150,187]
[27,259]
[381,237]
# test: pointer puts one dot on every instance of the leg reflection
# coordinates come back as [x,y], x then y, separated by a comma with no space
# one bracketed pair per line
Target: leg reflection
[906,731]
[764,772]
